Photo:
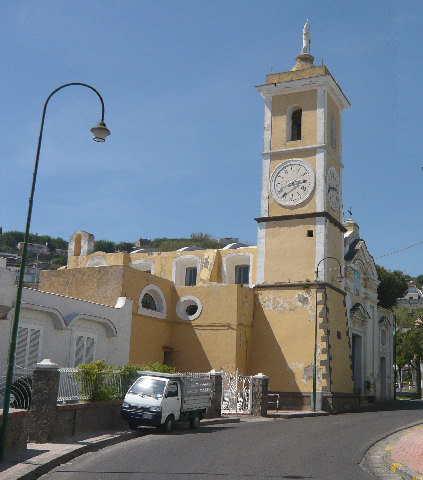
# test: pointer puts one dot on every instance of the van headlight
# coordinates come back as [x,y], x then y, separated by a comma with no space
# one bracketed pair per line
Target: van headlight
[125,405]
[155,409]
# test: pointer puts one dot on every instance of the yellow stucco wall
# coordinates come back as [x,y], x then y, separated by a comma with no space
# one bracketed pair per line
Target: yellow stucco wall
[211,261]
[290,254]
[335,245]
[333,109]
[280,103]
[100,284]
[282,340]
[218,337]
[341,373]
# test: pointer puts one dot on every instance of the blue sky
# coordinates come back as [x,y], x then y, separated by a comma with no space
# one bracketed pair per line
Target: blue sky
[177,78]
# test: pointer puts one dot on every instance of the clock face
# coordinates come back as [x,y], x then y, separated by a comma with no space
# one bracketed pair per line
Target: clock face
[292,182]
[333,188]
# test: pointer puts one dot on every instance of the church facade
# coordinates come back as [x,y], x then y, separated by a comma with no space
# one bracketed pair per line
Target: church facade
[300,307]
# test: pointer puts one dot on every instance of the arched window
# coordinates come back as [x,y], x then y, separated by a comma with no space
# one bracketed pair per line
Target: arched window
[296,124]
[148,302]
[152,302]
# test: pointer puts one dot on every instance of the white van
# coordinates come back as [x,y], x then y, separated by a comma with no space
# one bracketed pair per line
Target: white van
[161,399]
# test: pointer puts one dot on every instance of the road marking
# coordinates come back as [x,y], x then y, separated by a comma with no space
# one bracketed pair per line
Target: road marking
[394,466]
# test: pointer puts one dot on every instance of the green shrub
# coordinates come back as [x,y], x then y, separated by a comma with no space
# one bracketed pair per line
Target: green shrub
[96,387]
[93,377]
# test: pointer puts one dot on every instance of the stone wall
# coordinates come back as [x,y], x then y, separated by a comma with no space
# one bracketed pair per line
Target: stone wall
[17,431]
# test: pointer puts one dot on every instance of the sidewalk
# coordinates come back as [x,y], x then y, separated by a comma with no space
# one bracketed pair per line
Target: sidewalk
[398,456]
[40,458]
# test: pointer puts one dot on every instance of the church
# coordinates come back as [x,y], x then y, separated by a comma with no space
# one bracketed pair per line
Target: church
[300,307]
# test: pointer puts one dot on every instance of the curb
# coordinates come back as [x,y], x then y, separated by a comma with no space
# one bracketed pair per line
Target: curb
[66,457]
[377,460]
[39,470]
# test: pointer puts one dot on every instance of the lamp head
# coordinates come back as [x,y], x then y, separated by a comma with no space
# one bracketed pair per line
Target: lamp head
[100,132]
[340,277]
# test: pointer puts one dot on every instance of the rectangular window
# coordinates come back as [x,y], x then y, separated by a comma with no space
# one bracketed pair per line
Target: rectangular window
[84,349]
[191,276]
[28,346]
[242,273]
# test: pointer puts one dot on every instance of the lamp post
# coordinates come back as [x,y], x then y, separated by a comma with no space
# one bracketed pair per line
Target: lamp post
[395,356]
[100,132]
[339,278]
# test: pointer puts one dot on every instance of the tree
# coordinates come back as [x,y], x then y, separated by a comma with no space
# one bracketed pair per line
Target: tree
[124,246]
[392,285]
[409,341]
[104,246]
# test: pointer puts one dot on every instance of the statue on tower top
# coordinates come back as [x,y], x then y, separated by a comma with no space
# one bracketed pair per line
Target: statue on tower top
[306,38]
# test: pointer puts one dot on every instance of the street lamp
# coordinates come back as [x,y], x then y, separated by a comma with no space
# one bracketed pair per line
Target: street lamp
[100,132]
[339,277]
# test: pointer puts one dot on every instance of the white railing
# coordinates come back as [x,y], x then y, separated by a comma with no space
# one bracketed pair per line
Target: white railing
[72,388]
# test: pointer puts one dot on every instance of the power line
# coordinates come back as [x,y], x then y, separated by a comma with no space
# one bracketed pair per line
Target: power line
[400,250]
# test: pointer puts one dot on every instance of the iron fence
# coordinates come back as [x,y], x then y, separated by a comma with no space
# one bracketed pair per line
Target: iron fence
[21,389]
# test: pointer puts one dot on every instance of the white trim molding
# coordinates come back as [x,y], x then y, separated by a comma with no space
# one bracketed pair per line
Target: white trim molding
[159,299]
[142,265]
[261,251]
[96,261]
[322,121]
[265,178]
[179,266]
[321,247]
[267,135]
[233,260]
[184,303]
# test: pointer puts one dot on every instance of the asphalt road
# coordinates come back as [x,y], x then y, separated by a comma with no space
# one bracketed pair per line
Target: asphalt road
[323,448]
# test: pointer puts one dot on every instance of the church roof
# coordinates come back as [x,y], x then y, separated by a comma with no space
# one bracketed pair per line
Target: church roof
[353,250]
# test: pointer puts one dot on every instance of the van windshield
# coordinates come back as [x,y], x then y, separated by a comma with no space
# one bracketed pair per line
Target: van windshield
[150,387]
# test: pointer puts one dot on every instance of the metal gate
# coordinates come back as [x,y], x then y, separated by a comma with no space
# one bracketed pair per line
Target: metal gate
[236,393]
[21,388]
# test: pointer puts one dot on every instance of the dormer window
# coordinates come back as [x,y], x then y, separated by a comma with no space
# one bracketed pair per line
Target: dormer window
[296,125]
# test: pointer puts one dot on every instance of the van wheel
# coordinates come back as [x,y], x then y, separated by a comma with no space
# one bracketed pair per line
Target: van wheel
[168,424]
[194,422]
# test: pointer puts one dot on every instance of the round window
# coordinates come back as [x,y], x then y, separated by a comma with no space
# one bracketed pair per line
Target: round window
[188,308]
[191,310]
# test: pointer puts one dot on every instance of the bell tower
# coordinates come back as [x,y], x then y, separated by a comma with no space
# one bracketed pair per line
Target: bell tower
[299,316]
[301,198]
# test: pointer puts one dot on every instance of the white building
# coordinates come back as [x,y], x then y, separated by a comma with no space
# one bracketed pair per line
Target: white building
[67,330]
[370,326]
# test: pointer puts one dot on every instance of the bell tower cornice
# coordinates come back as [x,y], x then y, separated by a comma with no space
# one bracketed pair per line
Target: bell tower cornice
[288,82]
